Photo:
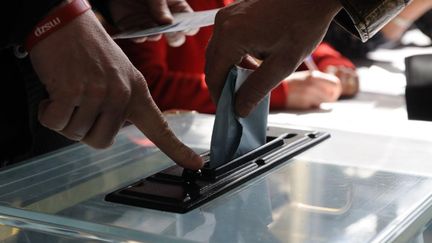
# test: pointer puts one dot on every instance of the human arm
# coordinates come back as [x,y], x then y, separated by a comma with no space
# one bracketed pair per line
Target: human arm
[330,61]
[308,89]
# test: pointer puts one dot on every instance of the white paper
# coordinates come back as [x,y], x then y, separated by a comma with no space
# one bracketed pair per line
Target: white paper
[182,22]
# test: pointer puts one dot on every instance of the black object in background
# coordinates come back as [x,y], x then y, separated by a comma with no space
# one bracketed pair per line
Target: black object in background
[418,93]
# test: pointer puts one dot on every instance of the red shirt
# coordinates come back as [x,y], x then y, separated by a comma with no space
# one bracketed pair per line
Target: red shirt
[175,76]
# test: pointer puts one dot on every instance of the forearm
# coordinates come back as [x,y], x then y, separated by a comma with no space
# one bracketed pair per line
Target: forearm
[364,18]
[416,9]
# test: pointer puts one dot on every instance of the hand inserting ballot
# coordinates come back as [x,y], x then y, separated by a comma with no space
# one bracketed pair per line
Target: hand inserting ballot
[279,32]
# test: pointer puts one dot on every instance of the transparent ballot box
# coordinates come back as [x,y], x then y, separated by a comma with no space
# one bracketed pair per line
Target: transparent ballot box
[61,197]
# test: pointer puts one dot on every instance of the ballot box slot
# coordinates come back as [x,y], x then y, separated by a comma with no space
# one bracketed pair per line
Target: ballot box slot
[291,146]
[158,191]
[200,183]
[179,190]
[218,172]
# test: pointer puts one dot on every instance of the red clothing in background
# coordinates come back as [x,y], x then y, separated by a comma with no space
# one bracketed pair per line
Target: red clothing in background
[175,76]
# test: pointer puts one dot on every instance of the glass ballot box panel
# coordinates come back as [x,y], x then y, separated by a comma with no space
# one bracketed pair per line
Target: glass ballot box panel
[301,200]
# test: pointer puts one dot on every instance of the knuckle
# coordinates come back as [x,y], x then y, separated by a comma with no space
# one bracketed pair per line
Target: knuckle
[121,95]
[165,132]
[225,24]
[112,70]
[71,94]
[96,91]
[220,17]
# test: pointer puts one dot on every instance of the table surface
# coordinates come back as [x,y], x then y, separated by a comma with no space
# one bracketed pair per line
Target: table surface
[369,183]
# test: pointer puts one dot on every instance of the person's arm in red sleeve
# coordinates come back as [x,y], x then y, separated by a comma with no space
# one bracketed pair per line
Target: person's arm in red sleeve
[325,55]
[307,88]
[278,97]
[170,89]
[331,61]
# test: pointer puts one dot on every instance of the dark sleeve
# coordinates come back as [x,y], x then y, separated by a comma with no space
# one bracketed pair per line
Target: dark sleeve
[364,18]
[102,6]
[18,17]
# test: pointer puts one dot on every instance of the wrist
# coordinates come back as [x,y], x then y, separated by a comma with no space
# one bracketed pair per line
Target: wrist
[56,19]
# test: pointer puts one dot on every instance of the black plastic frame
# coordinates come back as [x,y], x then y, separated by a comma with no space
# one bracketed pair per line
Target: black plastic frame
[177,190]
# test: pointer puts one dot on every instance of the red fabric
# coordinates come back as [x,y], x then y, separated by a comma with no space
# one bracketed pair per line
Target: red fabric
[175,75]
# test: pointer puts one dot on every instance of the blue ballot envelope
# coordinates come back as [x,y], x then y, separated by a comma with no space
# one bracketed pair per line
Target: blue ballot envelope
[234,136]
[241,149]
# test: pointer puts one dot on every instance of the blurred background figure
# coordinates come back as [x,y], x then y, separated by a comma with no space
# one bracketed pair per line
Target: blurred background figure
[176,78]
[418,14]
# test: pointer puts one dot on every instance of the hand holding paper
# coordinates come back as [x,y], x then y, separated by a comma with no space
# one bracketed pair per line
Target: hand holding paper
[181,22]
[144,14]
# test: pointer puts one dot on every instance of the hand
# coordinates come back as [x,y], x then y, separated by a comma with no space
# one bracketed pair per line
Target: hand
[133,14]
[279,32]
[93,89]
[308,90]
[348,78]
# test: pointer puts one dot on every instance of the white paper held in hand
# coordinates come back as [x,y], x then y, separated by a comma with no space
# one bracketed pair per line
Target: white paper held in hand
[182,22]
